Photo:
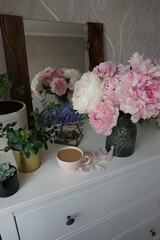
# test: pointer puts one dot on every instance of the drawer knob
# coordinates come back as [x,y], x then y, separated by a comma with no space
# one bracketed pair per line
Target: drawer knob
[70,220]
[153,233]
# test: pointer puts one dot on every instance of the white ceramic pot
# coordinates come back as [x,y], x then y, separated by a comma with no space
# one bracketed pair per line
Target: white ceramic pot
[19,116]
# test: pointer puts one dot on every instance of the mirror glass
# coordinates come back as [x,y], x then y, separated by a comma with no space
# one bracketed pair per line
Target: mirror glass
[54,44]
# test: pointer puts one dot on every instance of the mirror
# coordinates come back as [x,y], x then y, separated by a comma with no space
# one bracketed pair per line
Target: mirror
[12,29]
[54,44]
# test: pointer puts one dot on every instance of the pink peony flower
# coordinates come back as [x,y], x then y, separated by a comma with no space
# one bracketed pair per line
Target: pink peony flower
[139,95]
[139,65]
[104,117]
[133,89]
[48,74]
[122,70]
[61,72]
[110,87]
[105,69]
[58,86]
[38,94]
[156,61]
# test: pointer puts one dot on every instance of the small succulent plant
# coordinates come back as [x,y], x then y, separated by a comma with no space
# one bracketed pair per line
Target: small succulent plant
[6,171]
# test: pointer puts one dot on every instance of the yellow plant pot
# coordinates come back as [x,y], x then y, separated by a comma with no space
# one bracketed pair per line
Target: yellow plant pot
[26,164]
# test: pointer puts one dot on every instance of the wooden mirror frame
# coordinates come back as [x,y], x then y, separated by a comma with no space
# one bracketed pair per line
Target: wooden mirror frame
[13,37]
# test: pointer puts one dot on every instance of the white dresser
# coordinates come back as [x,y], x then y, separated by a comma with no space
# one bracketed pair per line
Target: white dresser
[121,203]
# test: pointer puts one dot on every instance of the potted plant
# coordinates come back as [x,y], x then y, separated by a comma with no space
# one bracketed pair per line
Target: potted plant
[8,180]
[26,144]
[11,110]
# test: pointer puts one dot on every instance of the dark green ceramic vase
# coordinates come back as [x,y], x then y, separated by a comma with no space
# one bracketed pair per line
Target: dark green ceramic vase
[123,137]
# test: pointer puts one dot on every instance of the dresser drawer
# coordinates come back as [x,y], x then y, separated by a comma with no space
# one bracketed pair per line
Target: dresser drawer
[87,208]
[148,230]
[117,225]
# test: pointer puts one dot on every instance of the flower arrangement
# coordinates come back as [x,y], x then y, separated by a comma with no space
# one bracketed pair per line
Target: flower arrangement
[111,90]
[53,81]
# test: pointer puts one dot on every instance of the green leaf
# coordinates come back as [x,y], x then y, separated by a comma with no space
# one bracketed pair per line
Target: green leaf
[28,147]
[13,124]
[32,152]
[46,146]
[6,149]
[18,146]
[27,154]
[142,121]
[38,144]
[25,134]
[50,140]
[20,89]
[11,135]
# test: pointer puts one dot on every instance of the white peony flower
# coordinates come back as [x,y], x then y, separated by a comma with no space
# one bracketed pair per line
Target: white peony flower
[73,75]
[37,83]
[87,93]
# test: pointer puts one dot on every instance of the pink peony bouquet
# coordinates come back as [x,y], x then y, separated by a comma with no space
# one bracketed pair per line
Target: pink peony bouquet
[53,81]
[110,90]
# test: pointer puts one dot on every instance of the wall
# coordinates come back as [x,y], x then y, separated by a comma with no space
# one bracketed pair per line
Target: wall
[129,25]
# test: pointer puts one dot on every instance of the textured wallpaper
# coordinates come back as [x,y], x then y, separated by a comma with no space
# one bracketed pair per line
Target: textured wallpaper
[129,25]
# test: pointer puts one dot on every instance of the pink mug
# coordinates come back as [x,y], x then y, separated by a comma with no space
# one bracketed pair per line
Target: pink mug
[71,158]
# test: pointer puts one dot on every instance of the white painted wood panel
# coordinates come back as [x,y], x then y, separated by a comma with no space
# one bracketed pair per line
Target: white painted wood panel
[88,207]
[45,224]
[148,230]
[8,230]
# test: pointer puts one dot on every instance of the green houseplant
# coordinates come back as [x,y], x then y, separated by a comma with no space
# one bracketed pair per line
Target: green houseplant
[8,180]
[6,83]
[11,110]
[26,144]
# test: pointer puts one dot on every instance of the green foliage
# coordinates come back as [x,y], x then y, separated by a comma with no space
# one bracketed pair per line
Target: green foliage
[142,121]
[20,89]
[25,141]
[6,83]
[6,171]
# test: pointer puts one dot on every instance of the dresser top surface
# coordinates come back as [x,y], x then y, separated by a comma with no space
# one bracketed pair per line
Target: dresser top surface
[50,180]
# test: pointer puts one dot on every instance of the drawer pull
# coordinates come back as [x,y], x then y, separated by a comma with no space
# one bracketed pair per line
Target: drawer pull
[153,233]
[70,220]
